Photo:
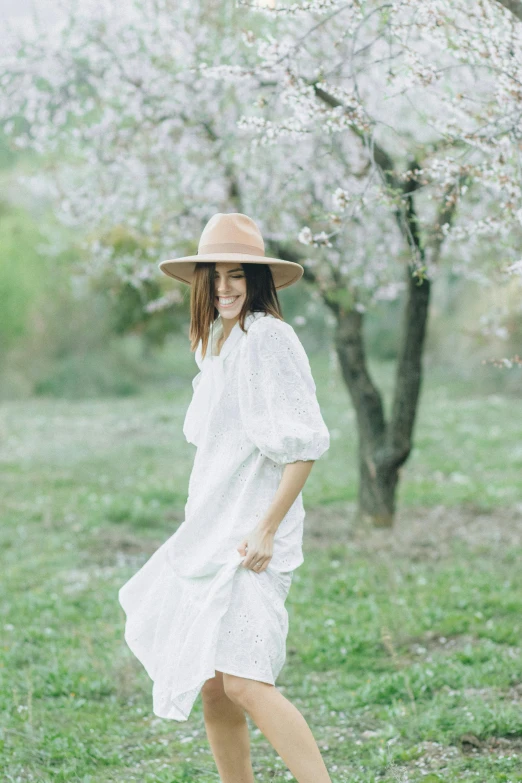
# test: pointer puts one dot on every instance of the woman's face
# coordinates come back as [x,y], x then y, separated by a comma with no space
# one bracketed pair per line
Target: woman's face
[229,288]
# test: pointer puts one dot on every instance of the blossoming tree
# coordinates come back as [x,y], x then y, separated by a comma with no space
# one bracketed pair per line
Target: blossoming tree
[426,98]
[372,142]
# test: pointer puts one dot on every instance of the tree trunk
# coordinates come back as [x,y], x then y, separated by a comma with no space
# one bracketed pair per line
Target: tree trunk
[383,446]
[375,499]
[377,486]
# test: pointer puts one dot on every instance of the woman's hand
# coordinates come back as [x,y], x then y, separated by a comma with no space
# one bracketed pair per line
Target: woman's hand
[258,546]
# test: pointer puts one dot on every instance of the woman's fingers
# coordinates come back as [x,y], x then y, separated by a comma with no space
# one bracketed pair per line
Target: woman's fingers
[252,557]
[251,560]
[264,566]
[257,564]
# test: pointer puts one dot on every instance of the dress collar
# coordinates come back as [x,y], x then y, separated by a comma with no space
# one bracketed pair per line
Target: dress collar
[211,384]
[216,330]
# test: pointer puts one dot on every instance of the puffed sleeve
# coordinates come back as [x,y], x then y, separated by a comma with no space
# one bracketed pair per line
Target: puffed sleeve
[277,394]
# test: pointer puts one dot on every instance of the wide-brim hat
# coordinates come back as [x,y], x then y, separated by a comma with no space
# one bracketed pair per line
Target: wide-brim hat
[232,236]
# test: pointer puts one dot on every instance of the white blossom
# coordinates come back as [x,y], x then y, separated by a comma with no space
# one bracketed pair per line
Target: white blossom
[515,268]
[341,198]
[305,236]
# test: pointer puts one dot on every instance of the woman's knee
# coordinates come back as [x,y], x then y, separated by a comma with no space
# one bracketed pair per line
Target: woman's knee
[241,690]
[212,690]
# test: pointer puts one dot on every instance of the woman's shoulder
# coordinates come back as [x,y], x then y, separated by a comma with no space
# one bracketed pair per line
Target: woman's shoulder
[268,326]
[274,351]
[269,335]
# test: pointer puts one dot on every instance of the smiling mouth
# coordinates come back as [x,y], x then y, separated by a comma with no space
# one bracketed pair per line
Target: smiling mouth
[227,301]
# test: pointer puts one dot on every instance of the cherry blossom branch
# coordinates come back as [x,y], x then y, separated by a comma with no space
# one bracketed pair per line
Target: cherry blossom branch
[515,6]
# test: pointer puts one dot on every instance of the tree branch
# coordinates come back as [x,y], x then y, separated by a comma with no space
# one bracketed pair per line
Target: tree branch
[406,220]
[381,157]
[515,6]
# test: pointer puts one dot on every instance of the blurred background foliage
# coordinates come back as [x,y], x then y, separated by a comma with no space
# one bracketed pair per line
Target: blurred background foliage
[62,335]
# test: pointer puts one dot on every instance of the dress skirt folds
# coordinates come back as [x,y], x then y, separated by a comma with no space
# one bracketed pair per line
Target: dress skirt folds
[192,609]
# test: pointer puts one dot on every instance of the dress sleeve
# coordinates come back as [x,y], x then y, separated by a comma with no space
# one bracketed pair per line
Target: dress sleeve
[277,394]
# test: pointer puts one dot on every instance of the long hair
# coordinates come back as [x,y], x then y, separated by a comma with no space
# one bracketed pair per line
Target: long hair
[261,294]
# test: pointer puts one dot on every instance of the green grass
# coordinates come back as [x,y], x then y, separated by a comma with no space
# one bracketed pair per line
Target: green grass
[394,654]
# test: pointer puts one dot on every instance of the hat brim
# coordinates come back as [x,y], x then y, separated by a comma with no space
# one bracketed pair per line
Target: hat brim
[285,273]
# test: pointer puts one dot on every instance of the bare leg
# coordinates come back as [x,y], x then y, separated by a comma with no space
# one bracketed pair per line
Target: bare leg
[227,732]
[283,726]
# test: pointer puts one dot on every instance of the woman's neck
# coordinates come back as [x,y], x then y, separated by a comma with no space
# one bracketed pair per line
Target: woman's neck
[228,324]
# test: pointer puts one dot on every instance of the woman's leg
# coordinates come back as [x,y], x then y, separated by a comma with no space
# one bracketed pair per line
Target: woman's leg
[227,732]
[282,724]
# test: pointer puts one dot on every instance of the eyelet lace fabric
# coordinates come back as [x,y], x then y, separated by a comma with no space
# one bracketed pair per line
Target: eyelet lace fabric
[192,608]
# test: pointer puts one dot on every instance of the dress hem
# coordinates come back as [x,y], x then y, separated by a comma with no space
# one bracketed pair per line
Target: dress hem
[245,677]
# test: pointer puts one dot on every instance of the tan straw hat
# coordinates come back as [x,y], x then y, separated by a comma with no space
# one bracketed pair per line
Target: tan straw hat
[232,236]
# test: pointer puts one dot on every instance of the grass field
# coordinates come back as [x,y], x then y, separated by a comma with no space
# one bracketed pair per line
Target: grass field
[404,648]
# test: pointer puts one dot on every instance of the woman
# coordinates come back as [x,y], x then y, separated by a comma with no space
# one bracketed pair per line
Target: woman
[207,611]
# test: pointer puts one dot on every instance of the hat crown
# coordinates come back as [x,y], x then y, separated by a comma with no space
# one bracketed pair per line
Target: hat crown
[225,231]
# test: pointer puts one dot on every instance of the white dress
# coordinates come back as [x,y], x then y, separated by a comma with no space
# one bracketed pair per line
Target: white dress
[192,608]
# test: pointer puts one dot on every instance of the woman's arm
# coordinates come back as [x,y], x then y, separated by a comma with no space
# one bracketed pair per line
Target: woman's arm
[292,481]
[261,540]
[281,416]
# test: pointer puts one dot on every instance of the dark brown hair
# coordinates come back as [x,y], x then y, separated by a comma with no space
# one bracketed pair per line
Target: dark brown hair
[261,294]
